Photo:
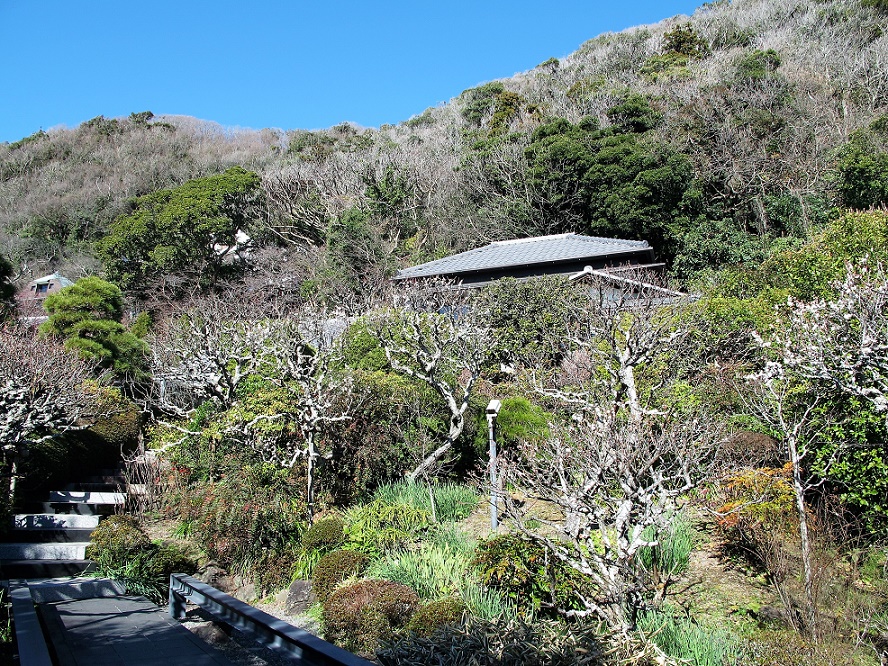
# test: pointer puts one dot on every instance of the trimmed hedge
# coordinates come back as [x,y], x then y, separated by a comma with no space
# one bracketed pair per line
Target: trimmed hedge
[358,616]
[335,567]
[436,614]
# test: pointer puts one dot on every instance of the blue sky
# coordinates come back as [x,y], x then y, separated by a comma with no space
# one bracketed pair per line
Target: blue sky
[286,64]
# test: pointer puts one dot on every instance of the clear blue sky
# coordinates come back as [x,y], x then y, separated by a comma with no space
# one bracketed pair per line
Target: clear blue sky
[285,63]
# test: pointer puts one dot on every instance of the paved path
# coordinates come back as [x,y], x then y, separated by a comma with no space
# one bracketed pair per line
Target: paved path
[122,631]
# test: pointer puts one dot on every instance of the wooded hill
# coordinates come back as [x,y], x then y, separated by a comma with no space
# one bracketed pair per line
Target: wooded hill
[717,137]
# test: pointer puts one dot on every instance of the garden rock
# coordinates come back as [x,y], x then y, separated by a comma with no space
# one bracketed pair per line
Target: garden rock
[300,597]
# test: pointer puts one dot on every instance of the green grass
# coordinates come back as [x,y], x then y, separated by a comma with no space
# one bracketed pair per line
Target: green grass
[683,639]
[453,501]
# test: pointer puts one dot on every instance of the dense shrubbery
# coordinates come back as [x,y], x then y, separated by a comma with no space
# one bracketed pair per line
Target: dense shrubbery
[359,616]
[541,643]
[335,567]
[534,579]
[243,520]
[121,550]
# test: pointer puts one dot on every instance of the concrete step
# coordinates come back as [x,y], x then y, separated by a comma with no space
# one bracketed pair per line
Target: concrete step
[69,535]
[43,568]
[62,589]
[75,550]
[94,487]
[105,478]
[85,497]
[54,521]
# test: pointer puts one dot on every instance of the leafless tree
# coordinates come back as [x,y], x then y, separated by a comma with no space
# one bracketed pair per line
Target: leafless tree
[780,400]
[617,483]
[208,351]
[205,350]
[44,391]
[436,336]
[630,322]
[305,368]
[621,470]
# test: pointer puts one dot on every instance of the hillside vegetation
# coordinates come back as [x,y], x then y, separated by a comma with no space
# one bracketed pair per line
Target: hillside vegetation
[685,480]
[712,136]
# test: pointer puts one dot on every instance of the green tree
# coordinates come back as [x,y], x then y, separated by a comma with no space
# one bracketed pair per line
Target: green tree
[611,183]
[863,173]
[528,318]
[190,230]
[87,315]
[684,40]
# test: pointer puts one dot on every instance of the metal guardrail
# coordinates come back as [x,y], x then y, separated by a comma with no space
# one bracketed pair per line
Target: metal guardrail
[266,629]
[29,638]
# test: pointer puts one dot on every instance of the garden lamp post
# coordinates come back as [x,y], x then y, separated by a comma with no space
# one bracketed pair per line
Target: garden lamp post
[492,410]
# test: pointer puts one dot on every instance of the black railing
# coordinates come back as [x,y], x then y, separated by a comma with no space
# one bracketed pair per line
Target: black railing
[266,629]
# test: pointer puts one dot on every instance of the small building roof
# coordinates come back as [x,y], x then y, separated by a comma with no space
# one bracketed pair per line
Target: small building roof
[61,280]
[532,255]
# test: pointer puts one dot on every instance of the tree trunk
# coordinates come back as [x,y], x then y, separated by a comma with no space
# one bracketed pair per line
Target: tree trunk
[310,478]
[456,428]
[805,539]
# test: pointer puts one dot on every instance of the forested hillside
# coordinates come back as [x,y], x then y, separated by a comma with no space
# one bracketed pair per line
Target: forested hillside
[694,476]
[712,136]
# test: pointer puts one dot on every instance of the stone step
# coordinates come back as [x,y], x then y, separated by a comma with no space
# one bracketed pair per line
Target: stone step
[43,535]
[95,486]
[75,550]
[105,478]
[85,497]
[54,521]
[43,568]
[61,589]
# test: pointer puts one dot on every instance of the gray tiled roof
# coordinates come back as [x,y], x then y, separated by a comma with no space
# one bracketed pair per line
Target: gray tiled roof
[523,252]
[61,279]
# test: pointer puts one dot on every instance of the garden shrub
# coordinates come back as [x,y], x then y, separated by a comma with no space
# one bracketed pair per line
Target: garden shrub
[515,643]
[358,616]
[117,534]
[335,567]
[533,579]
[372,448]
[121,550]
[239,520]
[436,614]
[324,534]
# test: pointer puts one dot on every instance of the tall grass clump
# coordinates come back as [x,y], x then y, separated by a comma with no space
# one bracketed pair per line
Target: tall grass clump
[452,501]
[378,527]
[434,572]
[683,639]
[671,557]
[487,603]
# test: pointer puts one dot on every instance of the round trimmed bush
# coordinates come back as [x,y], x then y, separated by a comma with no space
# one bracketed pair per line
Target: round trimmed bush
[358,616]
[326,533]
[335,567]
[436,614]
[117,534]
